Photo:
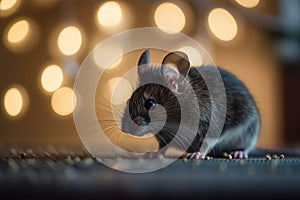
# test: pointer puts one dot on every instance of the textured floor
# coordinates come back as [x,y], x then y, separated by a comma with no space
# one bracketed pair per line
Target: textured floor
[68,174]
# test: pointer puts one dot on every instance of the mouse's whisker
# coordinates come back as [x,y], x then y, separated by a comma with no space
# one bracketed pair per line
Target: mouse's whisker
[162,139]
[179,139]
[107,115]
[110,111]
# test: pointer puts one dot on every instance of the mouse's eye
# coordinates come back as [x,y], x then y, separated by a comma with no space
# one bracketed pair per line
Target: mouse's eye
[149,103]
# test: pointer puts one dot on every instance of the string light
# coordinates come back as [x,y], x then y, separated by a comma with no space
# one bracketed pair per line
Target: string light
[169,17]
[18,31]
[63,101]
[222,24]
[69,40]
[7,4]
[109,14]
[51,78]
[15,101]
[20,35]
[248,3]
[119,89]
[8,7]
[106,54]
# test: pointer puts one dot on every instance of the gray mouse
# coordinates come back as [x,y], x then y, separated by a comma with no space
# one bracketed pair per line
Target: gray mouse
[242,121]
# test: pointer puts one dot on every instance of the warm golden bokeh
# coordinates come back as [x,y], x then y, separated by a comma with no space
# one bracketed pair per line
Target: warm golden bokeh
[8,7]
[69,40]
[248,3]
[15,101]
[109,14]
[51,78]
[63,101]
[7,4]
[120,90]
[18,31]
[169,17]
[222,24]
[101,57]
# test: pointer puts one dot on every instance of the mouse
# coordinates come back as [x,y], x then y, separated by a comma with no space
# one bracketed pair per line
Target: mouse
[175,78]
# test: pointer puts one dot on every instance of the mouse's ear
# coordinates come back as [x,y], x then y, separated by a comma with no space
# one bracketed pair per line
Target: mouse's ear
[178,59]
[144,62]
[175,68]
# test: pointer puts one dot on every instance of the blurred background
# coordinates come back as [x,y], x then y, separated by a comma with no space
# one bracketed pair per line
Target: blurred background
[43,43]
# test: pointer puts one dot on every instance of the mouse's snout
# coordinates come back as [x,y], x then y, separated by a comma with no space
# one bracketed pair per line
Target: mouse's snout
[138,121]
[136,126]
[141,121]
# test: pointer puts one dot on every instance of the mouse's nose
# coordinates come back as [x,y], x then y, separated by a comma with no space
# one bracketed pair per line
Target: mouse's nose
[141,121]
[138,121]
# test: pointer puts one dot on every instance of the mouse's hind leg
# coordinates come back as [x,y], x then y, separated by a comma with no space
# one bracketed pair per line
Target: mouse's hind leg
[238,141]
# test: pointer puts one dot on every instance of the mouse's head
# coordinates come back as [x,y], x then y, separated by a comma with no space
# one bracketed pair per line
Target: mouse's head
[154,104]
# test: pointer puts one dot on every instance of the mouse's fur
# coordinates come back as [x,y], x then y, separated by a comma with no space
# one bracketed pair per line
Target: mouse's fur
[242,122]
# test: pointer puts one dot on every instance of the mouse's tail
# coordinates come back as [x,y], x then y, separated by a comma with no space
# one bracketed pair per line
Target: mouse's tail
[262,152]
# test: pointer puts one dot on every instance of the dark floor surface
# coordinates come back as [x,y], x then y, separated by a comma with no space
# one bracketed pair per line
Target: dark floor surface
[76,175]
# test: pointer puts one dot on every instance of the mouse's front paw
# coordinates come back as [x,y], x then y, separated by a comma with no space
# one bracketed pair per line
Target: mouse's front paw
[195,156]
[239,155]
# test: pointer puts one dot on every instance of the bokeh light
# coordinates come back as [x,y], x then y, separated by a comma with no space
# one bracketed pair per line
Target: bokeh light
[222,24]
[21,34]
[63,101]
[109,14]
[107,54]
[15,101]
[69,40]
[193,55]
[248,3]
[7,4]
[51,78]
[169,17]
[8,7]
[120,90]
[18,31]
